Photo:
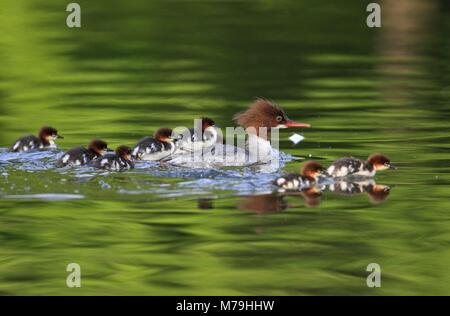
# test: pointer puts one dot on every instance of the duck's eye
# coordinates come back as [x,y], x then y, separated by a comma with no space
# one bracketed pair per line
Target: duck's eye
[279,118]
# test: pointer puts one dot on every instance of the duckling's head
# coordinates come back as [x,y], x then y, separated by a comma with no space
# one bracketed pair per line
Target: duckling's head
[48,133]
[207,123]
[312,170]
[164,135]
[380,162]
[124,152]
[98,146]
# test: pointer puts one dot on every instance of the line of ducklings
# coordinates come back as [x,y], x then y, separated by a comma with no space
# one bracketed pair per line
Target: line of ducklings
[149,148]
[163,144]
[341,170]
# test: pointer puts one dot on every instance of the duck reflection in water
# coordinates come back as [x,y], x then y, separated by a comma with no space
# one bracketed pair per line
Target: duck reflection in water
[311,195]
[376,192]
[271,203]
[264,203]
[205,204]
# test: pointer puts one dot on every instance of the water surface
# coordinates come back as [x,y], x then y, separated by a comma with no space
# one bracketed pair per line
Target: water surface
[159,230]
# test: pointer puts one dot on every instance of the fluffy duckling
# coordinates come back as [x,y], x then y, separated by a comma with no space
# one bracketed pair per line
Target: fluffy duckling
[45,140]
[157,148]
[294,181]
[195,139]
[120,161]
[352,166]
[80,155]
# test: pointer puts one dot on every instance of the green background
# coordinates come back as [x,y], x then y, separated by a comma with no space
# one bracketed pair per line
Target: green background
[134,66]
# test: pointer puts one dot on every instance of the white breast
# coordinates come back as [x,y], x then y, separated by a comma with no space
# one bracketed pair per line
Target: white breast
[52,144]
[209,139]
[366,173]
[65,158]
[158,155]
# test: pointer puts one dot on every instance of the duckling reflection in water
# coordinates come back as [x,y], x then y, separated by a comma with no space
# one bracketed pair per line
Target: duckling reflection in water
[205,204]
[312,196]
[264,203]
[271,203]
[376,192]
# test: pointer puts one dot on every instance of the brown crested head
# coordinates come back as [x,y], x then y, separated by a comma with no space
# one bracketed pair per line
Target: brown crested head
[207,122]
[263,113]
[378,193]
[124,152]
[311,170]
[49,133]
[98,146]
[380,162]
[164,135]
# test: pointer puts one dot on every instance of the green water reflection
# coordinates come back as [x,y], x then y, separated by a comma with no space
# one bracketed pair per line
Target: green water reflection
[135,66]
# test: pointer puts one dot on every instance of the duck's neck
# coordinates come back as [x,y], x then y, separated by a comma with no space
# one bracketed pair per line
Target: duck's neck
[368,166]
[47,143]
[210,136]
[259,149]
[93,153]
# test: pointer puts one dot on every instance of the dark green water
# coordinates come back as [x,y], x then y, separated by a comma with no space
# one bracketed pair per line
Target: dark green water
[138,65]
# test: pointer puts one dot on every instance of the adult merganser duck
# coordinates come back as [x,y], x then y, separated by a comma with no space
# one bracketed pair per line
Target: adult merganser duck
[45,140]
[120,161]
[194,139]
[258,121]
[157,148]
[350,166]
[294,181]
[80,156]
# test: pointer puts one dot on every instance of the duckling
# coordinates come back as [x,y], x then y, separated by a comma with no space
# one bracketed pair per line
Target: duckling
[120,161]
[294,181]
[195,139]
[45,140]
[352,166]
[78,156]
[157,148]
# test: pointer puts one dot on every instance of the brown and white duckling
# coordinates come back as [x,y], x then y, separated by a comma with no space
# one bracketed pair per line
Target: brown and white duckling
[45,140]
[120,161]
[193,139]
[80,155]
[155,148]
[352,166]
[294,181]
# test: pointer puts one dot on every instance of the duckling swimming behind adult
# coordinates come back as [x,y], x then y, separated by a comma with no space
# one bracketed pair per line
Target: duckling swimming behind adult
[157,148]
[120,161]
[45,140]
[294,181]
[80,156]
[194,139]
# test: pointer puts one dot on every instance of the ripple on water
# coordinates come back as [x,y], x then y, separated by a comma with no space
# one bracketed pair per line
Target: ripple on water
[148,178]
[47,196]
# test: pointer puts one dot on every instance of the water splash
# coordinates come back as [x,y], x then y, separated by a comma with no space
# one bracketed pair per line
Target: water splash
[34,175]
